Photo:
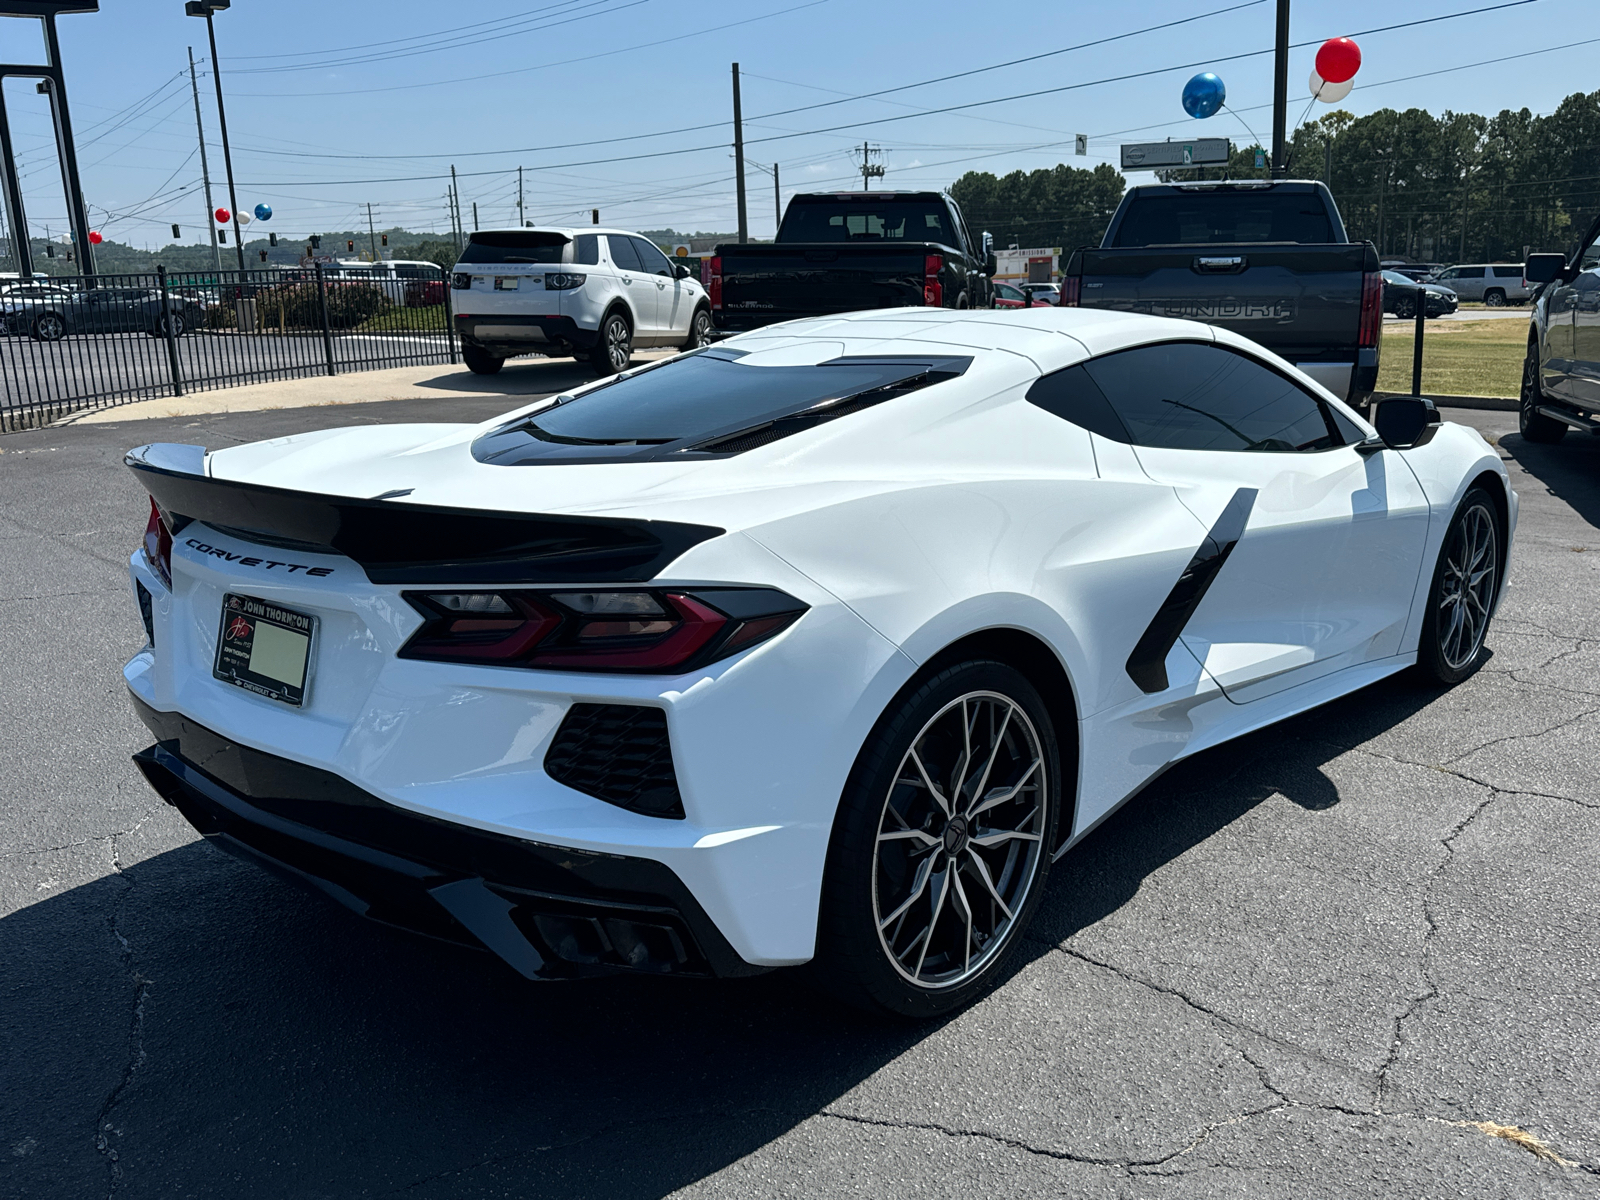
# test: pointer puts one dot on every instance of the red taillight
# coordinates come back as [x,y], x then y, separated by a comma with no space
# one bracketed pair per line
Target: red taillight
[714,280]
[1071,290]
[932,288]
[645,631]
[158,544]
[1371,309]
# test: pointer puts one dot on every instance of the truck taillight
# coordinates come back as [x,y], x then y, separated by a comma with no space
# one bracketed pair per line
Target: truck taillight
[1071,290]
[158,544]
[1371,309]
[932,288]
[714,280]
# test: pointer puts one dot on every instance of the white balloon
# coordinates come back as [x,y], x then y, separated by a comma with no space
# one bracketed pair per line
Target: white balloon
[244,218]
[1330,93]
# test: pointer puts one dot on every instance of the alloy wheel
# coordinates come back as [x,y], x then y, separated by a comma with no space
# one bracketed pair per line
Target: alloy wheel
[619,351]
[959,840]
[700,332]
[1466,589]
[49,328]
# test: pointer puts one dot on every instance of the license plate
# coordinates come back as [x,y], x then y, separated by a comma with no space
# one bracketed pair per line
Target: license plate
[506,283]
[264,648]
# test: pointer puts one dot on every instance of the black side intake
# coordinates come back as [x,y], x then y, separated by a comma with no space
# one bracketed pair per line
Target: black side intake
[618,753]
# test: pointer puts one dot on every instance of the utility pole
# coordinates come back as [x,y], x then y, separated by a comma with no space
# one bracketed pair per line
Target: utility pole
[1327,161]
[205,171]
[522,216]
[372,238]
[1280,94]
[738,156]
[474,216]
[777,201]
[870,170]
[455,207]
[222,123]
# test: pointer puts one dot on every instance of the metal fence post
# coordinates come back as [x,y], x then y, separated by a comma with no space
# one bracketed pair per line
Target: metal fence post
[1416,342]
[450,315]
[172,337]
[327,333]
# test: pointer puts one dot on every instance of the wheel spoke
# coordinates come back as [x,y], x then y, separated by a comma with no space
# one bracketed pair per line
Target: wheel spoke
[917,888]
[1000,795]
[994,753]
[987,880]
[961,905]
[927,781]
[941,889]
[994,838]
[902,835]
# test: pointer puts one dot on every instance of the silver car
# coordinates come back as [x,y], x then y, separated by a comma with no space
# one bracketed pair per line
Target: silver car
[1495,284]
[1561,375]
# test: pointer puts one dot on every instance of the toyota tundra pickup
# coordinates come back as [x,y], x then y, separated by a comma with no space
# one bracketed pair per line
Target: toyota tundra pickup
[843,251]
[1266,259]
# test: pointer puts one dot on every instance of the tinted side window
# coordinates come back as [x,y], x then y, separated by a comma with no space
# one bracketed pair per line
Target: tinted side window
[1469,273]
[1192,396]
[1073,396]
[1512,272]
[586,250]
[651,258]
[623,254]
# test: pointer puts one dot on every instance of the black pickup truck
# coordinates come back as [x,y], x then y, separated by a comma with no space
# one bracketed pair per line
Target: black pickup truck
[844,251]
[1266,259]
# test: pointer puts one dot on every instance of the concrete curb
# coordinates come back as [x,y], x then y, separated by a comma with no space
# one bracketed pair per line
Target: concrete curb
[1495,403]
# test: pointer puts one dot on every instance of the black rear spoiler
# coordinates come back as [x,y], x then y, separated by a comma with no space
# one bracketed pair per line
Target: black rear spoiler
[400,543]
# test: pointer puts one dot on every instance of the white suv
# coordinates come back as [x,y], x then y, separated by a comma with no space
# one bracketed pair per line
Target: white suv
[595,294]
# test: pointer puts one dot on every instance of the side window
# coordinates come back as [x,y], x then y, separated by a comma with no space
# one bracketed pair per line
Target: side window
[1452,273]
[651,259]
[1194,396]
[1073,396]
[1511,272]
[587,250]
[1469,273]
[623,254]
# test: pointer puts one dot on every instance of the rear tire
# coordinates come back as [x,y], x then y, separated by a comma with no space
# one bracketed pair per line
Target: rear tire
[480,361]
[1466,582]
[922,904]
[614,351]
[48,327]
[1535,426]
[1494,298]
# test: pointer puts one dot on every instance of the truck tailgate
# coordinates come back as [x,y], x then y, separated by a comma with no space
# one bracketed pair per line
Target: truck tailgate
[1300,301]
[805,280]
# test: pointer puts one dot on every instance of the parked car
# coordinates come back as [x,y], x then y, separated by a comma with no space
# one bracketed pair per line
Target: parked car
[1400,296]
[1269,260]
[1046,293]
[819,647]
[1495,284]
[592,293]
[51,316]
[1009,295]
[844,251]
[1561,372]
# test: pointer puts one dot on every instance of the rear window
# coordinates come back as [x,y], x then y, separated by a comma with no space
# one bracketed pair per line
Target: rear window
[701,400]
[1220,217]
[515,246]
[869,221]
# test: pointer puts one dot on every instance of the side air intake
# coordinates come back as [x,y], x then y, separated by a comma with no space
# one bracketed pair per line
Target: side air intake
[618,753]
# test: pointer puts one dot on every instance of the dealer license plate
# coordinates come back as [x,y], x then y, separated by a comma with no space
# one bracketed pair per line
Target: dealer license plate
[264,648]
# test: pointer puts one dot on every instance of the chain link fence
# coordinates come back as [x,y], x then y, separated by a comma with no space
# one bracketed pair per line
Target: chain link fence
[83,342]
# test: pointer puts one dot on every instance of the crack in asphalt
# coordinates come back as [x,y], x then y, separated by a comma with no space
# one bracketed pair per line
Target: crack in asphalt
[104,1129]
[1473,779]
[1517,737]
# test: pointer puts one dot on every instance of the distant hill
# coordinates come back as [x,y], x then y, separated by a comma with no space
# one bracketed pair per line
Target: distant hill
[113,257]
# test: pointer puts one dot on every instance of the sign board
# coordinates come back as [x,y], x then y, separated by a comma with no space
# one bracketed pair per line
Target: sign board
[681,250]
[1024,265]
[1080,143]
[1154,156]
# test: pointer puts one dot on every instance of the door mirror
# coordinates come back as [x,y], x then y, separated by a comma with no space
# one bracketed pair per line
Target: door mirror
[1542,268]
[1403,421]
[988,244]
[680,271]
[990,266]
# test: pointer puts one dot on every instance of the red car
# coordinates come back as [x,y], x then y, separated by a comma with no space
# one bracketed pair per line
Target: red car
[1008,295]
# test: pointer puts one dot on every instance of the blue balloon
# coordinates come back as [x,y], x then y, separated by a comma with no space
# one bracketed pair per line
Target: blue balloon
[264,211]
[1203,95]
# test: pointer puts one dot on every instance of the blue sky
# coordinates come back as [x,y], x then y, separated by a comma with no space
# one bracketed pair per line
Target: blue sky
[323,120]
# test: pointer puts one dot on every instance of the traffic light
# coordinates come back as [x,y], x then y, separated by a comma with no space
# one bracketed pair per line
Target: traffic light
[263,256]
[50,250]
[176,233]
[385,238]
[316,241]
[350,244]
[222,236]
[272,239]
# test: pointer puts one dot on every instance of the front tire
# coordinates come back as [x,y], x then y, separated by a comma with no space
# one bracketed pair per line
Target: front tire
[941,846]
[480,362]
[1465,584]
[614,351]
[1535,426]
[48,327]
[699,330]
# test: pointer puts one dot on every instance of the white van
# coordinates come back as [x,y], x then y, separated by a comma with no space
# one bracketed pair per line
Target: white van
[595,294]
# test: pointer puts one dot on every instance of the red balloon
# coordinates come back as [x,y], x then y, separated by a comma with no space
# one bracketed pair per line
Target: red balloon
[94,238]
[1338,59]
[224,216]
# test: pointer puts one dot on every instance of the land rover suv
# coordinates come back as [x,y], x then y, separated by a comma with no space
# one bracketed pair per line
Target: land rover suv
[593,294]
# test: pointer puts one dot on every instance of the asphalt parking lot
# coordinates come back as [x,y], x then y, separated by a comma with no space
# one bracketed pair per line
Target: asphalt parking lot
[1331,960]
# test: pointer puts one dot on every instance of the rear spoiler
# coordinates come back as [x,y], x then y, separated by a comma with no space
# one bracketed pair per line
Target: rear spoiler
[400,543]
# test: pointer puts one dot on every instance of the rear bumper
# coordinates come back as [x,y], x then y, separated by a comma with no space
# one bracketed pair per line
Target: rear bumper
[550,912]
[519,334]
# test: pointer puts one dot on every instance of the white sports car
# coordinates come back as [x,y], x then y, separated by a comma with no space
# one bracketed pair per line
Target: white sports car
[817,645]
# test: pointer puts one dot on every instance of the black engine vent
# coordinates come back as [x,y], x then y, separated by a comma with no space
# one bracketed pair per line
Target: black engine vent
[618,753]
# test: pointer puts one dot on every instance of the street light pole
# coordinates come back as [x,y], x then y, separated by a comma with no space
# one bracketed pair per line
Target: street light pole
[204,8]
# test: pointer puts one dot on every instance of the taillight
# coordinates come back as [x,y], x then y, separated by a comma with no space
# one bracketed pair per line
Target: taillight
[714,280]
[561,281]
[1371,309]
[158,544]
[932,288]
[461,281]
[1071,290]
[651,631]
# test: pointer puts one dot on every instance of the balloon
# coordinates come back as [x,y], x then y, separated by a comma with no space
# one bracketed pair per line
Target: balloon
[1203,95]
[263,212]
[243,218]
[223,216]
[1338,60]
[94,238]
[1329,93]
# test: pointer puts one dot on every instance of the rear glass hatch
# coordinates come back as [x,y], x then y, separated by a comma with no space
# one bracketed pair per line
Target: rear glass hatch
[505,265]
[706,404]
